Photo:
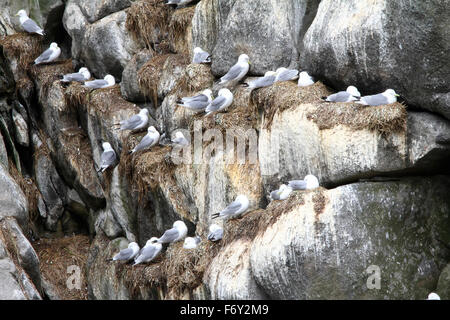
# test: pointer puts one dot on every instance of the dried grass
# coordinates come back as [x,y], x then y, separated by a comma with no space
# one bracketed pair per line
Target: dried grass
[26,47]
[107,100]
[384,119]
[149,75]
[179,27]
[56,255]
[76,96]
[145,18]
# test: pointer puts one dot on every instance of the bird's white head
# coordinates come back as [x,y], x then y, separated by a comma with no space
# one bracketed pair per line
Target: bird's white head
[197,50]
[225,92]
[152,129]
[391,92]
[110,79]
[179,224]
[133,245]
[179,134]
[433,296]
[54,45]
[22,13]
[282,188]
[106,146]
[214,227]
[353,91]
[242,198]
[270,73]
[152,240]
[243,58]
[304,75]
[143,111]
[85,72]
[311,182]
[208,93]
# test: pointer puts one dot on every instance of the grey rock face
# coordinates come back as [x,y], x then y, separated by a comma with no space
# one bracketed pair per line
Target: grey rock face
[443,286]
[21,129]
[3,153]
[335,244]
[267,31]
[354,42]
[98,9]
[12,200]
[129,85]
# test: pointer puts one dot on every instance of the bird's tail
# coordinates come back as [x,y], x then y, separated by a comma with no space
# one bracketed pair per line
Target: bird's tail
[109,260]
[215,215]
[245,84]
[131,151]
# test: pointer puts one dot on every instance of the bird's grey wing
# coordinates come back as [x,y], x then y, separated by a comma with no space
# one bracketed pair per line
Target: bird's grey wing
[202,57]
[131,122]
[199,97]
[297,184]
[233,73]
[375,100]
[216,104]
[124,254]
[286,75]
[196,104]
[108,158]
[30,26]
[45,55]
[263,82]
[169,236]
[148,253]
[145,142]
[231,208]
[94,84]
[216,235]
[73,77]
[341,96]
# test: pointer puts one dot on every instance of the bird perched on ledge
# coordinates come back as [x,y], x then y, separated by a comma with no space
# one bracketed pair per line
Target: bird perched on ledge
[28,24]
[234,209]
[49,55]
[149,140]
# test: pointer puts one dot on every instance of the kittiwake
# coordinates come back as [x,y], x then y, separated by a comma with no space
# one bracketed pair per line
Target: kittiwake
[284,74]
[49,55]
[234,209]
[201,56]
[305,79]
[128,253]
[28,24]
[107,81]
[108,157]
[149,252]
[177,233]
[387,97]
[180,139]
[282,193]
[198,102]
[148,141]
[349,95]
[215,232]
[135,122]
[221,102]
[191,242]
[238,71]
[82,75]
[433,296]
[261,82]
[309,182]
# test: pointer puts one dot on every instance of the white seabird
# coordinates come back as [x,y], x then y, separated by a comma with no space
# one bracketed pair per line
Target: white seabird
[387,97]
[180,139]
[149,252]
[198,102]
[215,232]
[148,141]
[128,253]
[309,182]
[28,24]
[107,81]
[282,193]
[238,71]
[177,233]
[191,242]
[201,56]
[433,296]
[305,79]
[108,157]
[261,82]
[135,122]
[49,55]
[284,74]
[221,102]
[82,75]
[234,209]
[349,95]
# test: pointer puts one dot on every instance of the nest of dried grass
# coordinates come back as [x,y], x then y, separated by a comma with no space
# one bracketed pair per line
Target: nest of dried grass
[384,119]
[145,18]
[149,75]
[26,47]
[107,100]
[196,77]
[179,27]
[76,96]
[284,95]
[56,255]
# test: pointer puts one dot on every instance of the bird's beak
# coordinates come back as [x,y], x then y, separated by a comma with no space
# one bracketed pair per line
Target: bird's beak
[397,95]
[17,14]
[249,62]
